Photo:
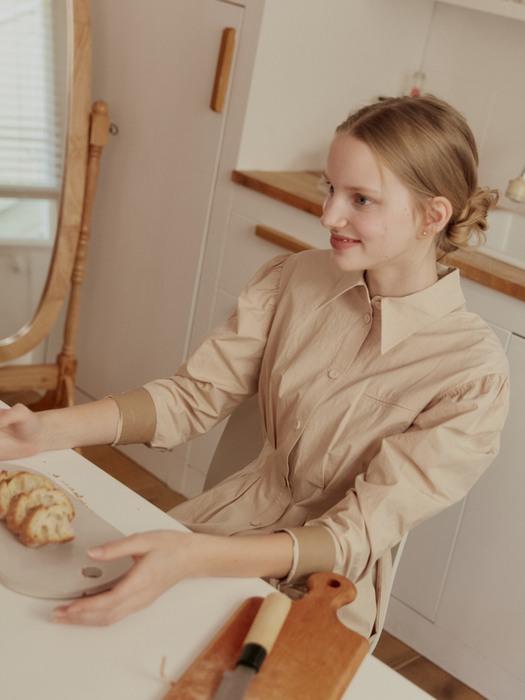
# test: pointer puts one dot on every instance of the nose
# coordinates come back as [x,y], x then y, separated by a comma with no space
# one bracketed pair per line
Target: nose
[334,214]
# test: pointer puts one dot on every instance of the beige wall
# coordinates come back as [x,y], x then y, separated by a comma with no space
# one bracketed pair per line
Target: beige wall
[319,59]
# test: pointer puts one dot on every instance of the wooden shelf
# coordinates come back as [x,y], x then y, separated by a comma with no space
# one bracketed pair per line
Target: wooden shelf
[300,190]
[492,273]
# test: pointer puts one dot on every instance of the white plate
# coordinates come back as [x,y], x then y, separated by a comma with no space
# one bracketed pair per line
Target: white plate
[61,570]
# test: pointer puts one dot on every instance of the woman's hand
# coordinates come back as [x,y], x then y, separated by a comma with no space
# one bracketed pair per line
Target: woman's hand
[20,432]
[162,558]
[24,433]
[165,557]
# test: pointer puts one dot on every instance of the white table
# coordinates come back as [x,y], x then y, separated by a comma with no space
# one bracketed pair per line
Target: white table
[122,662]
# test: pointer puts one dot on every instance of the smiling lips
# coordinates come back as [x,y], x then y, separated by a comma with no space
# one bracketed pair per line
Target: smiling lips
[342,243]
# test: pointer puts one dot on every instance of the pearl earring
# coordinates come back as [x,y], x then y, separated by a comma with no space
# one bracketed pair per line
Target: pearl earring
[424,233]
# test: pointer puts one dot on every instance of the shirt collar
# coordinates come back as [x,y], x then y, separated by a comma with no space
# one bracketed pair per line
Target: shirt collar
[401,317]
[345,282]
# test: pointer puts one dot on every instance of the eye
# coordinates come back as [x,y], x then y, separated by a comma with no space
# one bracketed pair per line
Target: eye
[362,200]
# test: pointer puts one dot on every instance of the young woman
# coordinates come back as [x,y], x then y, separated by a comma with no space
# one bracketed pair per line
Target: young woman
[382,398]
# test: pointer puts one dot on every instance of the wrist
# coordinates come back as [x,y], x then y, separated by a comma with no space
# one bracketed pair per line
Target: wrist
[76,426]
[261,556]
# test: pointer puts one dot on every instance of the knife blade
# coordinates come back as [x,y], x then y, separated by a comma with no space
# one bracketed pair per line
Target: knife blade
[257,645]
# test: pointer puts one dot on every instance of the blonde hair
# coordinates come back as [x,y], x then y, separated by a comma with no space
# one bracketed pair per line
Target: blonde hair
[429,146]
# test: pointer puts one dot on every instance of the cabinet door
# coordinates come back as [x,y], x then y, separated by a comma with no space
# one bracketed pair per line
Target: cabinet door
[482,601]
[423,566]
[154,63]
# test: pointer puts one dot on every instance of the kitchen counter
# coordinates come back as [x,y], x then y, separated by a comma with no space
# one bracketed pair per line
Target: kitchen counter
[123,661]
[299,189]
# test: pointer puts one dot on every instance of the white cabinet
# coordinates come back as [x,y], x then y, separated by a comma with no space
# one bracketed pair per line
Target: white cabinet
[482,599]
[155,63]
[458,595]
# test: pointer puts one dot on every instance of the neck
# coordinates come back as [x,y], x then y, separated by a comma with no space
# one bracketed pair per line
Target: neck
[383,284]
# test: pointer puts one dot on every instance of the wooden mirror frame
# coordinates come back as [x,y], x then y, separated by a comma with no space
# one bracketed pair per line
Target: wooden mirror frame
[87,134]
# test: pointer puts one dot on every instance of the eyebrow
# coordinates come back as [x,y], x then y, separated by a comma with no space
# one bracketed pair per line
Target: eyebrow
[369,190]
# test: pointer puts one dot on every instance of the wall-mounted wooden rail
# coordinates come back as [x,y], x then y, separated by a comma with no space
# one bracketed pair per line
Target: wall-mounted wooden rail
[282,239]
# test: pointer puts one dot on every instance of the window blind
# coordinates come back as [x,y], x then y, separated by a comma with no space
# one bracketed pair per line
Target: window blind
[33,97]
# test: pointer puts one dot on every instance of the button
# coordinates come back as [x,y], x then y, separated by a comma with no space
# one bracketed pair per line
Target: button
[297,424]
[367,318]
[255,523]
[333,374]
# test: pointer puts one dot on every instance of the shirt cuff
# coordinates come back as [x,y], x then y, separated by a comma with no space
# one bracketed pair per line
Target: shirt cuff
[313,550]
[138,417]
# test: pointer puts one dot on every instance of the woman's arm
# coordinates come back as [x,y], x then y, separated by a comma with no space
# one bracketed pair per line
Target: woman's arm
[24,433]
[163,558]
[219,375]
[417,474]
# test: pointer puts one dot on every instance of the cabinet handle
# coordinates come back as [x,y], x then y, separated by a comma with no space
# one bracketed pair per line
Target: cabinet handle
[224,65]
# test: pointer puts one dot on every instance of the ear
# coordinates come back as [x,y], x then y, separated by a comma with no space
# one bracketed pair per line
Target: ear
[438,211]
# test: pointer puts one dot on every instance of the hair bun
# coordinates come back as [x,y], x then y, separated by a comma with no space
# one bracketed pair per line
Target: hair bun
[470,222]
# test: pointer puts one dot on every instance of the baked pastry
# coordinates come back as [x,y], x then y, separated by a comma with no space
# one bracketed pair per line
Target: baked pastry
[35,509]
[19,482]
[22,504]
[46,525]
[7,476]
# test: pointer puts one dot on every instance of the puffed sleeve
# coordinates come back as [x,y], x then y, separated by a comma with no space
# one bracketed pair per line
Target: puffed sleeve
[219,375]
[414,475]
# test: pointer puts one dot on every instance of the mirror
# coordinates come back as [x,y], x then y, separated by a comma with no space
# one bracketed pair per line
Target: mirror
[86,134]
[33,127]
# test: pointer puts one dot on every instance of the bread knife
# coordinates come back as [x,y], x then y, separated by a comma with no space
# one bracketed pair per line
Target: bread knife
[257,645]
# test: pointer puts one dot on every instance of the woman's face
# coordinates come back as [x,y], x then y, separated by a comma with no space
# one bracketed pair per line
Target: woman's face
[370,214]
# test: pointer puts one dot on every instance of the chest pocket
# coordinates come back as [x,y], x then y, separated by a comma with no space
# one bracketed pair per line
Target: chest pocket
[356,438]
[390,417]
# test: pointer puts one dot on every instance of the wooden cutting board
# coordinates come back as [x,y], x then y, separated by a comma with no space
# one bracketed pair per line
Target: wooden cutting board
[60,571]
[314,657]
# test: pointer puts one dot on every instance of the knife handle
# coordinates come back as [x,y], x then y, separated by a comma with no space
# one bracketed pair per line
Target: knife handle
[264,630]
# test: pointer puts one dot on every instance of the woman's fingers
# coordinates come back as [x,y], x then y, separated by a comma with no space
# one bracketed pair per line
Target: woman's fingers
[168,542]
[134,545]
[102,609]
[156,569]
[128,596]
